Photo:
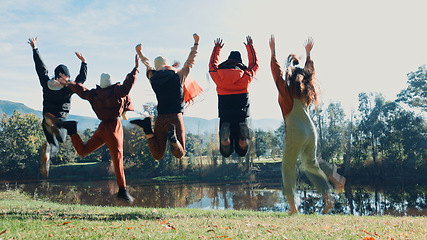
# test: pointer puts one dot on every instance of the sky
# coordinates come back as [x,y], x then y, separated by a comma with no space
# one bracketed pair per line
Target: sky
[360,46]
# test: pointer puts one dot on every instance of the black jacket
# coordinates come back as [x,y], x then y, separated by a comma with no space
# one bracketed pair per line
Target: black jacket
[56,102]
[169,92]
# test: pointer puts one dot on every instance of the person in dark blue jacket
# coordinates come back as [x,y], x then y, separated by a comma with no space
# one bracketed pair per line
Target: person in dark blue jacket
[56,104]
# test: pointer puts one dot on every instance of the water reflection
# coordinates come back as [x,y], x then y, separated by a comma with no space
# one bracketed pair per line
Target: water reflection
[260,196]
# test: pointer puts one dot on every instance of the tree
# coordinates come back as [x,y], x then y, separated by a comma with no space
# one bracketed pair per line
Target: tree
[415,95]
[21,137]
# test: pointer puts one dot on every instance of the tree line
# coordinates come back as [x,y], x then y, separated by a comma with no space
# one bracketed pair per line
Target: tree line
[380,138]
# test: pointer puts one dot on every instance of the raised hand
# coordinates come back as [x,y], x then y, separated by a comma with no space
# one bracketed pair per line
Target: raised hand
[80,56]
[218,43]
[32,41]
[309,44]
[138,47]
[248,40]
[196,38]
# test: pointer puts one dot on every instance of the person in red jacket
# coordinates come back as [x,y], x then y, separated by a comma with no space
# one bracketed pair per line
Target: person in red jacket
[108,101]
[232,79]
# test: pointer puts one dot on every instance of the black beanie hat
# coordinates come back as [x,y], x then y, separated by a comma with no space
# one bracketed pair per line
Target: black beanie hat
[235,55]
[61,69]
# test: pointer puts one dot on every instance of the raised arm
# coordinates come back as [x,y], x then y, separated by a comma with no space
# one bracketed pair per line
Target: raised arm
[309,44]
[81,78]
[253,60]
[144,60]
[276,70]
[41,68]
[124,89]
[183,73]
[214,61]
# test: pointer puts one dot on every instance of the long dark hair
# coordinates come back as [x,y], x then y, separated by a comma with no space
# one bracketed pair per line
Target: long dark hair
[301,80]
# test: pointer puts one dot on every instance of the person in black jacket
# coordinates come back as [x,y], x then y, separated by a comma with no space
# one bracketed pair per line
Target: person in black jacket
[56,104]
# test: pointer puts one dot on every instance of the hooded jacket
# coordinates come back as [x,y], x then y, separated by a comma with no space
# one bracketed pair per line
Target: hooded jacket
[56,102]
[232,84]
[108,103]
[169,92]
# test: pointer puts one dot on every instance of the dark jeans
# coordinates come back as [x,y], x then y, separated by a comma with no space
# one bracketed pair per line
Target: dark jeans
[226,151]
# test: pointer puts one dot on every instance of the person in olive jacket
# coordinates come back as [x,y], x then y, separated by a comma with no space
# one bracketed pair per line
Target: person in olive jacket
[56,102]
[109,102]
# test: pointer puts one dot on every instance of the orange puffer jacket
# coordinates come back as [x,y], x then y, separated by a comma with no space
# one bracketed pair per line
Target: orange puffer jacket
[233,81]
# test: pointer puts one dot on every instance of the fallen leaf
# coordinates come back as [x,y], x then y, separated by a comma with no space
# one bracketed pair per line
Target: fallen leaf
[3,232]
[368,238]
[65,223]
[129,228]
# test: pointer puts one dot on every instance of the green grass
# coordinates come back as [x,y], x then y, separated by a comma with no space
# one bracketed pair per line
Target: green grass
[23,217]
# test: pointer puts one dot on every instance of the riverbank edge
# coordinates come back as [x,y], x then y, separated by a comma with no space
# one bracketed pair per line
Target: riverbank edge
[23,217]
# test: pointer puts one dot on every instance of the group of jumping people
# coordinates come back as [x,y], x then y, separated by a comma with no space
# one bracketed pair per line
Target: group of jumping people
[173,90]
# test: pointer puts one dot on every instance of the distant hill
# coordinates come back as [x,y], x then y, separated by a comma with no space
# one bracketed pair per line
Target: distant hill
[9,108]
[192,124]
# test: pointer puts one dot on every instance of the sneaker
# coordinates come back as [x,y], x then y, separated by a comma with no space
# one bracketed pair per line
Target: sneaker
[244,131]
[123,194]
[329,202]
[71,126]
[224,132]
[45,160]
[50,121]
[145,124]
[172,134]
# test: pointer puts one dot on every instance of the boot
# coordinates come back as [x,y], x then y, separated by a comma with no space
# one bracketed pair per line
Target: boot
[50,121]
[329,202]
[123,194]
[71,126]
[45,160]
[224,133]
[172,134]
[244,131]
[145,124]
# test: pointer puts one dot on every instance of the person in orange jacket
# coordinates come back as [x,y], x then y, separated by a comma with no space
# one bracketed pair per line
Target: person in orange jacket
[296,92]
[109,101]
[232,79]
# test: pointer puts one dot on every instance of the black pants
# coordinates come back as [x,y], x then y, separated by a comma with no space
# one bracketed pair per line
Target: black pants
[54,140]
[226,151]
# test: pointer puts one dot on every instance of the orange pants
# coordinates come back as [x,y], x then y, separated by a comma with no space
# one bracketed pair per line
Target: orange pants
[111,133]
[157,144]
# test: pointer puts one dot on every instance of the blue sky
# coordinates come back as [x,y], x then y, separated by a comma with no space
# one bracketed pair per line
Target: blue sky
[360,46]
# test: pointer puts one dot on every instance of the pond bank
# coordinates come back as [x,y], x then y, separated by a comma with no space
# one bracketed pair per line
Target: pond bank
[23,217]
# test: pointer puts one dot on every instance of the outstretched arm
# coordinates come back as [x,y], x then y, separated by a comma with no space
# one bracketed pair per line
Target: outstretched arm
[144,60]
[253,60]
[81,78]
[276,70]
[309,44]
[214,61]
[41,68]
[183,73]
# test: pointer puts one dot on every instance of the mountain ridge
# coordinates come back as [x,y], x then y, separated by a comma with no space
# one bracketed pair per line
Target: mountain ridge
[193,125]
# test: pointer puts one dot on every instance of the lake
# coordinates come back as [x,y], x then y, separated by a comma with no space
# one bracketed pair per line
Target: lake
[266,195]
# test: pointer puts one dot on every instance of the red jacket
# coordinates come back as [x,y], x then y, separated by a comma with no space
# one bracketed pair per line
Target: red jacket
[108,103]
[233,81]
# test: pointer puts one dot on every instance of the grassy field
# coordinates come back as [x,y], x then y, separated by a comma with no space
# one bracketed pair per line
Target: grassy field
[23,217]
